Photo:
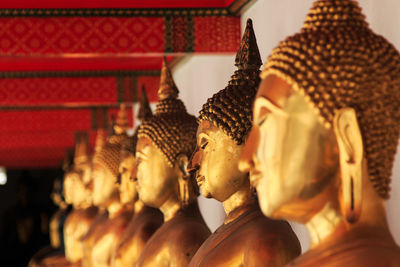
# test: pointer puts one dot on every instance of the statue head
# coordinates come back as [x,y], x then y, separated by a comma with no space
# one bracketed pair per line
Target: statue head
[127,166]
[75,191]
[165,142]
[106,163]
[224,124]
[326,116]
[82,161]
[57,195]
[77,176]
[127,171]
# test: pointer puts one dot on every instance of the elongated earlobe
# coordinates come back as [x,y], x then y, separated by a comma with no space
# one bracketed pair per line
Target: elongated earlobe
[351,151]
[183,180]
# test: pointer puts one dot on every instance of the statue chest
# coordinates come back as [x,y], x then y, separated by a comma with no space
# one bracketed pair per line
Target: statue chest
[225,247]
[174,243]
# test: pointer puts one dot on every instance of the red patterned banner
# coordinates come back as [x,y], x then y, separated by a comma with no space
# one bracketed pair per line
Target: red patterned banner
[58,90]
[75,90]
[31,157]
[216,34]
[37,139]
[38,150]
[39,36]
[77,35]
[44,120]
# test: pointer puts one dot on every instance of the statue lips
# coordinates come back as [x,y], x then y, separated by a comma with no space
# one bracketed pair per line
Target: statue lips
[200,179]
[138,188]
[255,176]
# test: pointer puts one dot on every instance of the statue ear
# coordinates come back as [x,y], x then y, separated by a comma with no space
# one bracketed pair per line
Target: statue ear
[182,162]
[351,151]
[183,179]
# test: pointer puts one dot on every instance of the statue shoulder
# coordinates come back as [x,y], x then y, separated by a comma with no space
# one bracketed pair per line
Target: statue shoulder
[271,241]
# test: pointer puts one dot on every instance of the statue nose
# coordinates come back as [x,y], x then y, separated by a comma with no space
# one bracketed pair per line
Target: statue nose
[194,162]
[90,185]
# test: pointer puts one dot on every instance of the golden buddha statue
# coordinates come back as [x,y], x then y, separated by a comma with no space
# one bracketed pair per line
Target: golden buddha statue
[247,237]
[146,220]
[77,193]
[325,132]
[106,195]
[56,225]
[88,239]
[165,143]
[54,254]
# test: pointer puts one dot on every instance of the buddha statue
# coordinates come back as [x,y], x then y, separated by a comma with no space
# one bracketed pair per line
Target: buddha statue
[324,137]
[146,220]
[165,143]
[88,239]
[54,254]
[106,195]
[58,219]
[55,232]
[247,237]
[77,193]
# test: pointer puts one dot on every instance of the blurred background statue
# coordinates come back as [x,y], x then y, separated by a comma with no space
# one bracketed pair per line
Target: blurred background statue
[165,144]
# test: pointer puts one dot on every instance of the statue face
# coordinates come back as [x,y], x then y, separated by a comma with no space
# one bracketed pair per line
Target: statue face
[86,173]
[216,158]
[127,187]
[156,180]
[291,156]
[68,187]
[74,189]
[55,194]
[104,185]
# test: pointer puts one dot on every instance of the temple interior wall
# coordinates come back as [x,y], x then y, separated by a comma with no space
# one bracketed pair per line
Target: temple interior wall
[200,76]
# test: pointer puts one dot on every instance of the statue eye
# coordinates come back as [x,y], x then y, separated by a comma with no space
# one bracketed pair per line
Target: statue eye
[138,161]
[203,145]
[261,121]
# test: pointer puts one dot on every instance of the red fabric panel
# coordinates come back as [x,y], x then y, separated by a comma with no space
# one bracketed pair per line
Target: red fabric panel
[216,34]
[97,36]
[36,139]
[37,149]
[179,33]
[114,4]
[62,63]
[127,89]
[152,83]
[31,157]
[44,120]
[58,90]
[77,35]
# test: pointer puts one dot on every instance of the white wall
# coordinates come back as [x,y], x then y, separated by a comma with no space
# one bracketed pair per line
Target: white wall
[201,76]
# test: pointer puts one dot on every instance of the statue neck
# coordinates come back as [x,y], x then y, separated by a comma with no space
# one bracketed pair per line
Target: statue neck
[63,205]
[138,206]
[325,224]
[330,226]
[170,207]
[238,203]
[83,205]
[113,208]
